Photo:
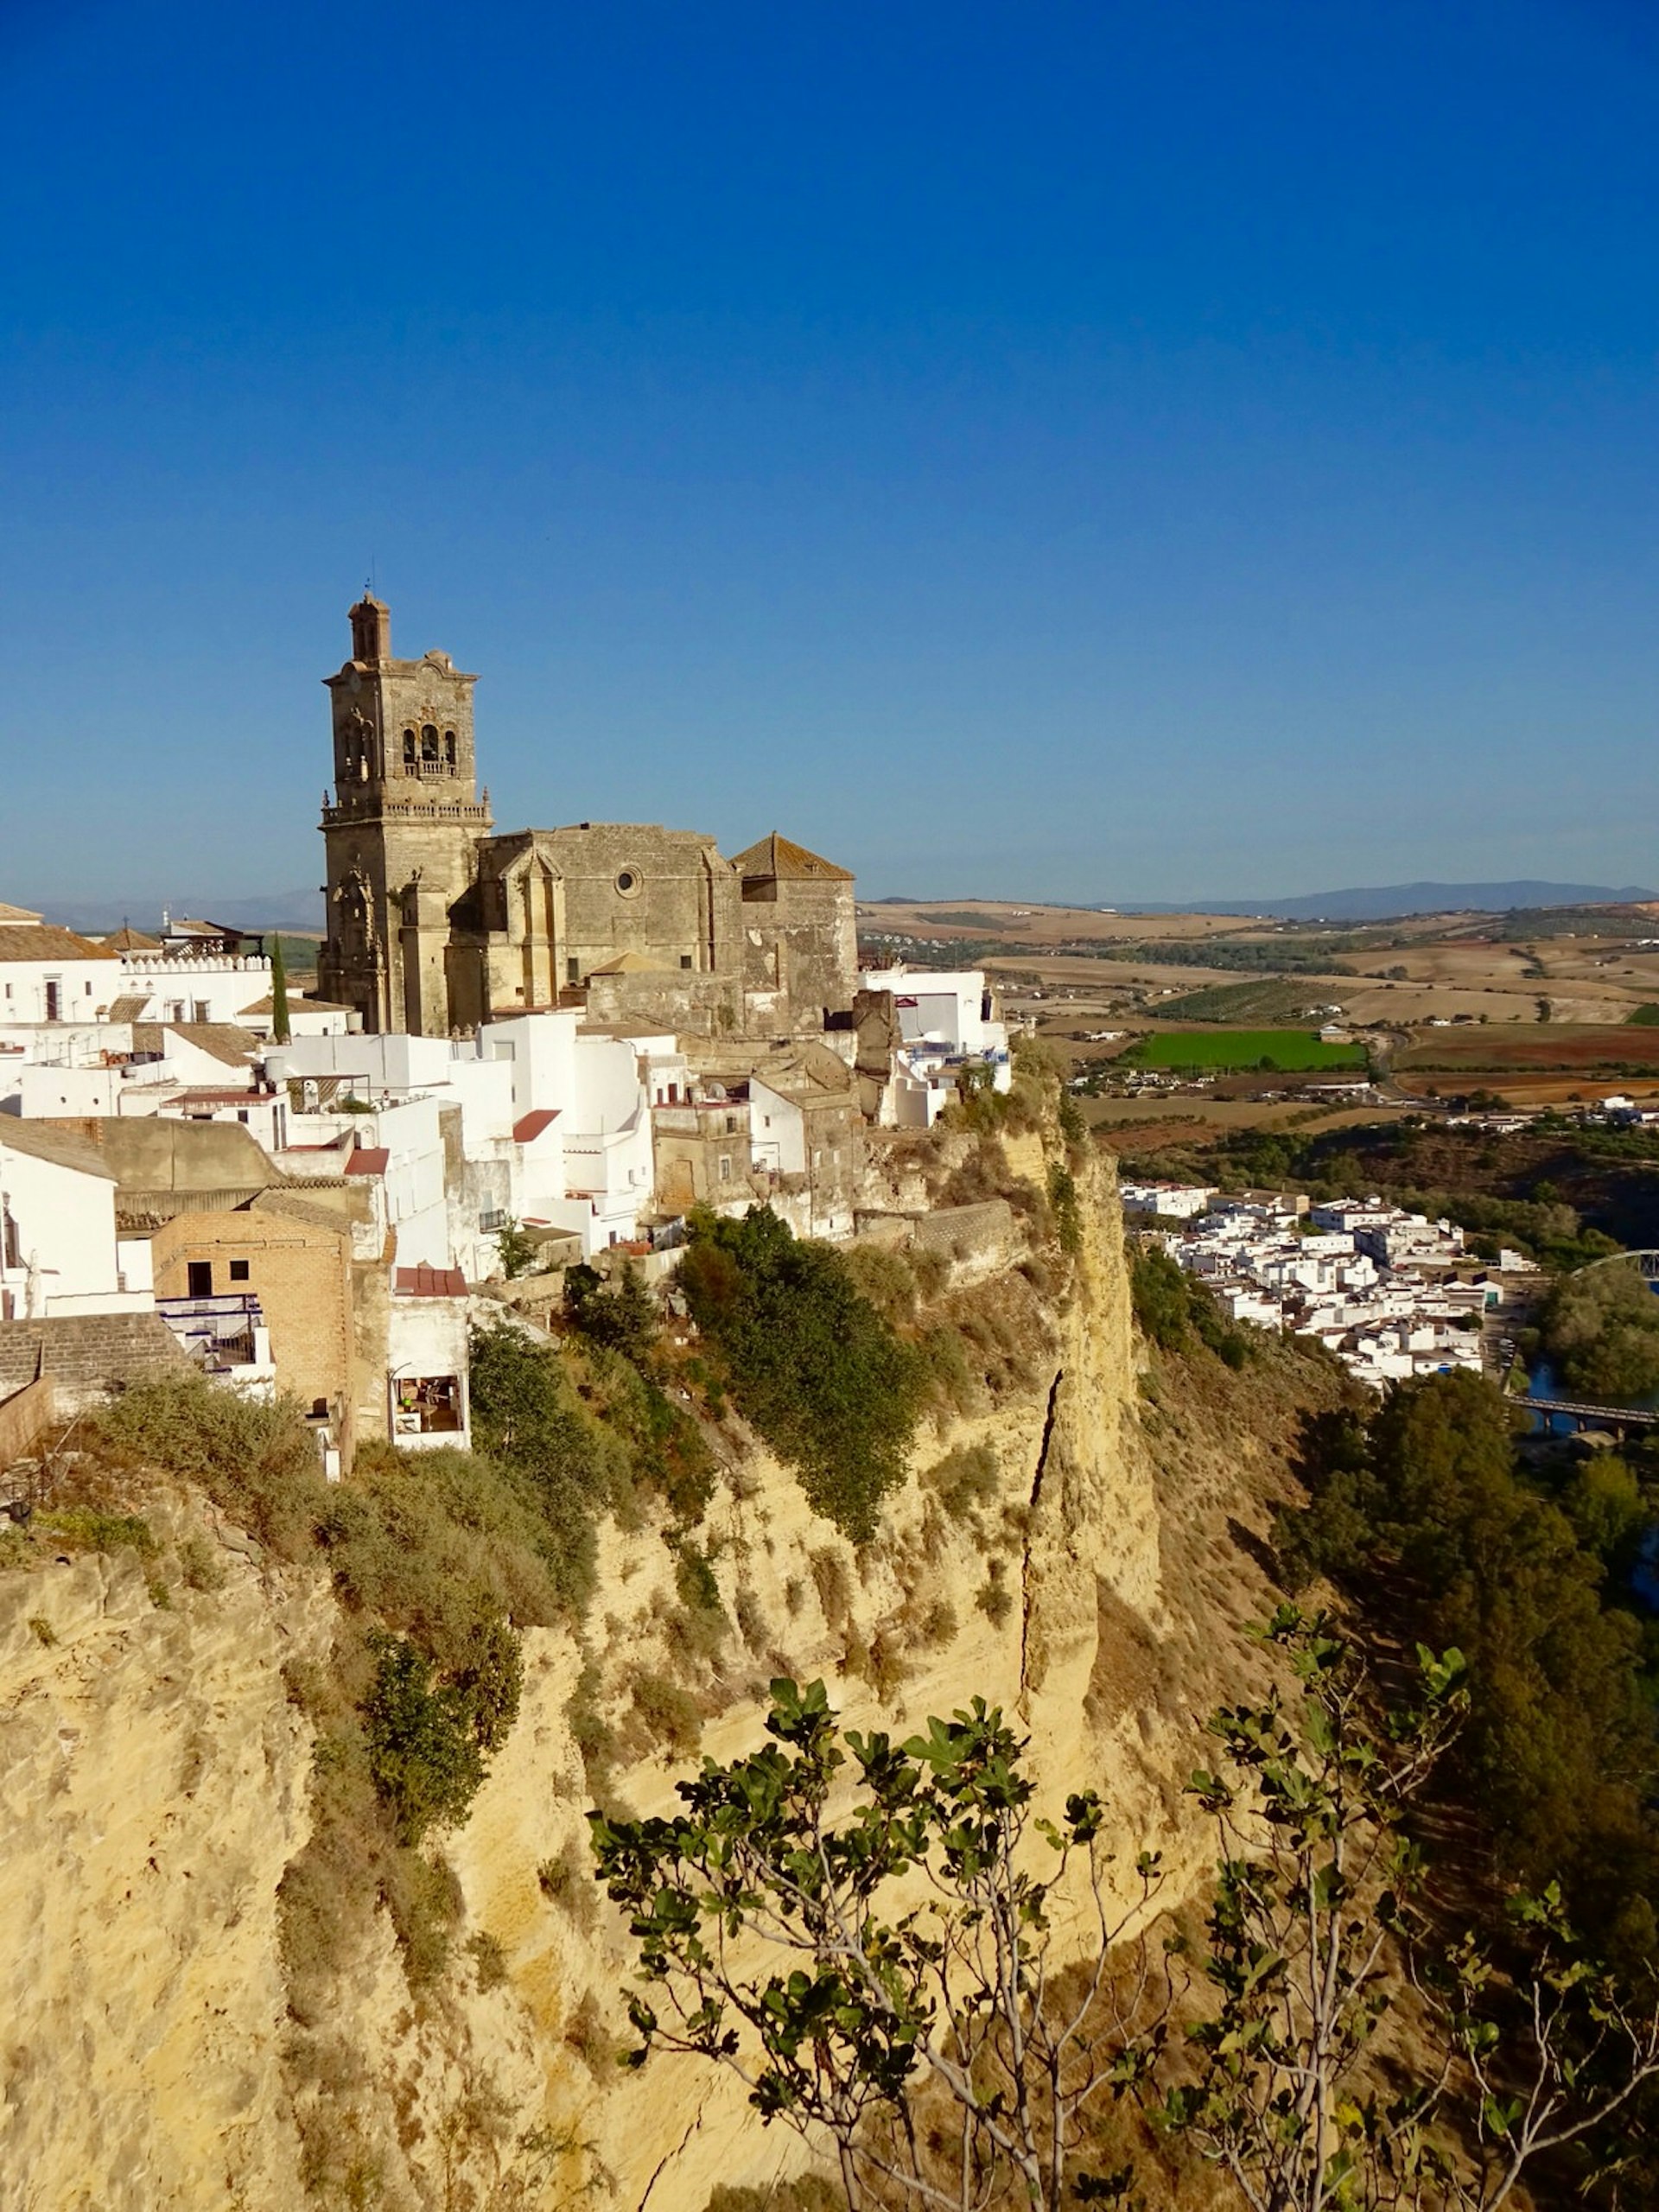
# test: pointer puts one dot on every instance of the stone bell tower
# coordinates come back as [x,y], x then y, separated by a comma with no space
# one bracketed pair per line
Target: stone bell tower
[402,829]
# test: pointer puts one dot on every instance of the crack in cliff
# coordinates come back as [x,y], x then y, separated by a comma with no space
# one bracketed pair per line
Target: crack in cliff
[1031,1508]
[668,2157]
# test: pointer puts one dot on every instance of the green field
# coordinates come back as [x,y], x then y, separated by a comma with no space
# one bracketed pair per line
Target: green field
[1217,1050]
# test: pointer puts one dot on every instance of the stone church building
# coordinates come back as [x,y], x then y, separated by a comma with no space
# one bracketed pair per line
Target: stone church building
[435,924]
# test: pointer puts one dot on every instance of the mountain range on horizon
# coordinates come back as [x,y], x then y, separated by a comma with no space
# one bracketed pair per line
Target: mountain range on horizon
[303,910]
[1379,903]
[1394,901]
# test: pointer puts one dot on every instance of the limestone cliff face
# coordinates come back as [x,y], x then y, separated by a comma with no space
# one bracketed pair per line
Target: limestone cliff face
[154,1783]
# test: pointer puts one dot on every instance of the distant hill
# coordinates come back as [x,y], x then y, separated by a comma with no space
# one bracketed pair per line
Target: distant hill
[276,910]
[1390,900]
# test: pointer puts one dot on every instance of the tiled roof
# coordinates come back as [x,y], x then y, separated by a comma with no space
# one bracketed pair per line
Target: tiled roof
[529,1127]
[630,963]
[18,913]
[128,1009]
[369,1159]
[46,941]
[220,1040]
[779,856]
[62,1147]
[127,939]
[429,1282]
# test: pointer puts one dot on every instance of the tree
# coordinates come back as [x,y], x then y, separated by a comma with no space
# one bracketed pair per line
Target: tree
[911,1971]
[876,2001]
[1315,1930]
[518,1248]
[1600,1332]
[623,1317]
[279,1018]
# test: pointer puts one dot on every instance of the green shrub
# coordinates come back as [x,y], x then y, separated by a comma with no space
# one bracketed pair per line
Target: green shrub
[702,1624]
[886,1279]
[595,1739]
[42,1631]
[667,1712]
[258,1462]
[423,1753]
[489,1961]
[568,1881]
[816,1368]
[964,1480]
[425,1900]
[87,1529]
[199,1566]
[622,1317]
[1062,1204]
[994,1598]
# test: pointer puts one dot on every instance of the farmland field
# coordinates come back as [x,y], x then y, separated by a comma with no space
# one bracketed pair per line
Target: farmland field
[1550,1047]
[1294,1049]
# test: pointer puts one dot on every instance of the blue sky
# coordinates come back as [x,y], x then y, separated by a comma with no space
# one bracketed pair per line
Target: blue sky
[1089,451]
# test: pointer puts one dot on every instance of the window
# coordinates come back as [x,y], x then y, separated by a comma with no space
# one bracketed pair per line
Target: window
[423,1404]
[409,748]
[53,998]
[685,960]
[731,1123]
[573,969]
[239,1271]
[198,1278]
[199,1010]
[241,1113]
[627,881]
[725,1167]
[449,748]
[429,744]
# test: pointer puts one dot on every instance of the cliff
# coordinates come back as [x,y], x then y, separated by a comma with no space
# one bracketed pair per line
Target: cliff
[155,1782]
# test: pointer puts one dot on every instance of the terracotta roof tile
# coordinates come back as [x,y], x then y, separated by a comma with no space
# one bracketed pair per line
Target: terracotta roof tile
[529,1127]
[45,941]
[368,1160]
[429,1282]
[779,856]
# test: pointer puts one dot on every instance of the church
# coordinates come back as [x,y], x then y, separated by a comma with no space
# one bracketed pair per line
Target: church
[436,925]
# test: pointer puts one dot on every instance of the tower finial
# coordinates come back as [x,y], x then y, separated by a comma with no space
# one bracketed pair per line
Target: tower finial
[371,621]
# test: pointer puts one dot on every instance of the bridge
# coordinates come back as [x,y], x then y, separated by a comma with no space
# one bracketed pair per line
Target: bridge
[1647,1260]
[1584,1415]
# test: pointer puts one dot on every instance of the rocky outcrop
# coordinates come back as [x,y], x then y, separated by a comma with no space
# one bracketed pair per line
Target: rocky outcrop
[153,1786]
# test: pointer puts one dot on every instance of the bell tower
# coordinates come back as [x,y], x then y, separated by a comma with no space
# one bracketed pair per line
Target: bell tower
[401,829]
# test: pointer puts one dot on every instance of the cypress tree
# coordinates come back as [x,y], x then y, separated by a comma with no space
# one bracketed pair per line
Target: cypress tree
[279,1026]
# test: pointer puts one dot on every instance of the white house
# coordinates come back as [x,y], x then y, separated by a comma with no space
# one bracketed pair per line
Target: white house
[51,975]
[59,1251]
[427,1402]
[554,1130]
[954,1010]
